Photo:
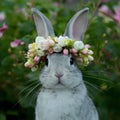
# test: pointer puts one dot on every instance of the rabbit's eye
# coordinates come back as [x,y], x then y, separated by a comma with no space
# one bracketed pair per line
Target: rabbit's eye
[71,61]
[46,62]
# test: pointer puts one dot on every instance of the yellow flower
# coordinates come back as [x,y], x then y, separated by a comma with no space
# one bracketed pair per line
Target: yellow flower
[32,46]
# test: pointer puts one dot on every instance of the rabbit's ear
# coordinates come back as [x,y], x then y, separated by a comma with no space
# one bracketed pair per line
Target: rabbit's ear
[43,25]
[77,25]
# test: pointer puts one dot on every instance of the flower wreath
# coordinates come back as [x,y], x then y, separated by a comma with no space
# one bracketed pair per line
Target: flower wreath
[45,46]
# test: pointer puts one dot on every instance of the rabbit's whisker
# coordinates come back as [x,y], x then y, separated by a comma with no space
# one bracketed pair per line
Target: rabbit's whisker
[94,86]
[92,71]
[28,88]
[31,90]
[96,77]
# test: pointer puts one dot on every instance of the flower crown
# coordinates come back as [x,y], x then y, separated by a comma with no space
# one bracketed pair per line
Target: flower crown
[42,47]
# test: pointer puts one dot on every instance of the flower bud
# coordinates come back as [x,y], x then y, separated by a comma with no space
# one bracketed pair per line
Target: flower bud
[90,58]
[84,51]
[36,59]
[87,46]
[90,52]
[74,51]
[65,52]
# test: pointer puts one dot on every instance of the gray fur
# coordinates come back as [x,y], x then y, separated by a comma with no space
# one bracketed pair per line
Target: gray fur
[63,95]
[77,25]
[43,25]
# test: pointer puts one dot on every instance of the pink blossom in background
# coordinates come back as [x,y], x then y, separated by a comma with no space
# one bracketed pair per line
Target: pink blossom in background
[116,16]
[2,16]
[2,29]
[57,4]
[104,9]
[16,43]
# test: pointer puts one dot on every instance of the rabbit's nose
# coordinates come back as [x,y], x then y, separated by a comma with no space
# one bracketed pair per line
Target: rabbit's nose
[58,75]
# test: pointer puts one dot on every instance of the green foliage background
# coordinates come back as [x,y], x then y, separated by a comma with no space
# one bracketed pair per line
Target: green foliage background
[17,92]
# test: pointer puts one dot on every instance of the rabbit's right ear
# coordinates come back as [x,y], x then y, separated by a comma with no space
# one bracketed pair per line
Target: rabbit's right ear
[43,25]
[77,25]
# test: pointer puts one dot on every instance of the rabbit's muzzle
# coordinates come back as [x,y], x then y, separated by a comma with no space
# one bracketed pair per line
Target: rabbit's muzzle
[59,76]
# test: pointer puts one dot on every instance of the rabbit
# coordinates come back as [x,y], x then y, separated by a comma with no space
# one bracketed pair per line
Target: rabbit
[63,95]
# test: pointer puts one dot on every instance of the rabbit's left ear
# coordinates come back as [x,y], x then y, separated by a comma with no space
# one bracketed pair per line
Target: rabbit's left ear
[77,25]
[43,25]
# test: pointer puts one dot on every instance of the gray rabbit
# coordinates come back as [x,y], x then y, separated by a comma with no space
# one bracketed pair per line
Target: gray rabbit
[63,95]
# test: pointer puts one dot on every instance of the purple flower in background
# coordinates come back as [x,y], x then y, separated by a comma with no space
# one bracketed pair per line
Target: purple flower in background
[16,43]
[2,16]
[116,16]
[2,29]
[104,9]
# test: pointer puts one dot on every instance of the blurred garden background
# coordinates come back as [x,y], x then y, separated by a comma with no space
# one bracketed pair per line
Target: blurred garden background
[17,29]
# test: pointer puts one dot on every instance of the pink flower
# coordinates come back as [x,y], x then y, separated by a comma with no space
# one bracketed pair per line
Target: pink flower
[16,43]
[116,16]
[74,51]
[65,52]
[2,16]
[87,46]
[104,9]
[84,51]
[2,29]
[36,59]
[50,42]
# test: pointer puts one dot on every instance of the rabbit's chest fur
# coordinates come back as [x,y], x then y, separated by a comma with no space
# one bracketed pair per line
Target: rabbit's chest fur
[63,105]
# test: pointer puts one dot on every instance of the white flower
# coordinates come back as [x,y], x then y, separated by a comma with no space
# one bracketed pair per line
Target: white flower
[61,41]
[40,53]
[90,58]
[42,43]
[30,46]
[78,45]
[50,42]
[90,52]
[39,39]
[44,46]
[57,48]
